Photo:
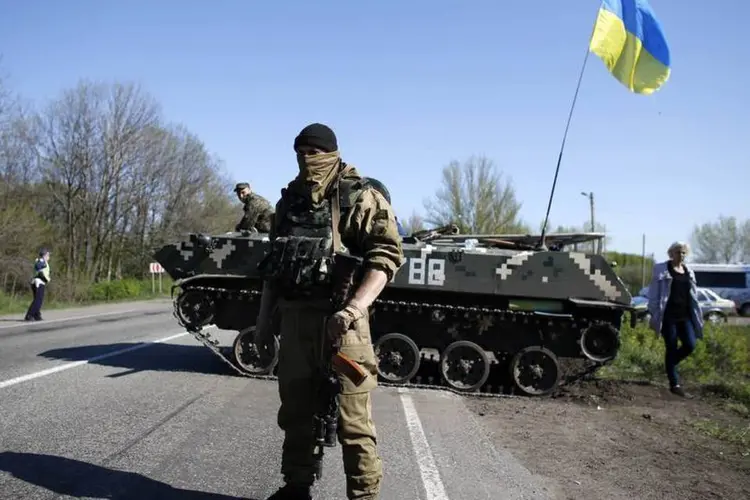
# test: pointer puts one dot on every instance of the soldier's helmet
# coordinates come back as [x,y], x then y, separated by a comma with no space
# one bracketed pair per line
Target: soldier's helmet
[378,186]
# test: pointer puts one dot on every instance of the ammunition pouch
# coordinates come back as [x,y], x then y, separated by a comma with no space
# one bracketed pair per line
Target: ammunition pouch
[300,266]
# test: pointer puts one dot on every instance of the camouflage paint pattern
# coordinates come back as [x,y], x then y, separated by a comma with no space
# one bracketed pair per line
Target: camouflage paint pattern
[431,268]
[505,295]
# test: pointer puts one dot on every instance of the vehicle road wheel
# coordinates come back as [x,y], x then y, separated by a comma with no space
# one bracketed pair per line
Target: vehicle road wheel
[247,357]
[398,358]
[745,310]
[535,371]
[464,366]
[600,342]
[194,308]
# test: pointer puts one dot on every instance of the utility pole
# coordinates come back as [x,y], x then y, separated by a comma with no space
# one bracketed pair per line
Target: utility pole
[643,261]
[590,196]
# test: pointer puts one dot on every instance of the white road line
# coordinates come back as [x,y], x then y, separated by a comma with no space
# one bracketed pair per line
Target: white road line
[67,366]
[433,485]
[58,320]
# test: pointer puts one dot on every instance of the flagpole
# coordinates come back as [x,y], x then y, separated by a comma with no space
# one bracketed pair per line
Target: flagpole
[567,127]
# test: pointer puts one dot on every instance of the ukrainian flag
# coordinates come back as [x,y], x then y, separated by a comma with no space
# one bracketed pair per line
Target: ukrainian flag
[629,39]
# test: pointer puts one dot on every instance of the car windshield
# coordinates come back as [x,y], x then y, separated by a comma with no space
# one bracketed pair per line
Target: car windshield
[710,294]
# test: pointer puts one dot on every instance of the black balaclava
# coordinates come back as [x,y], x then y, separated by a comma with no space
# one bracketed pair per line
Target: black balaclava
[317,171]
[318,136]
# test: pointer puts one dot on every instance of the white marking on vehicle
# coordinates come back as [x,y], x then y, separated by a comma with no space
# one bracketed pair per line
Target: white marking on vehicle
[435,275]
[67,366]
[433,485]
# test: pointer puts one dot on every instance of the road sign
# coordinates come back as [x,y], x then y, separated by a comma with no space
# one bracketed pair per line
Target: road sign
[155,268]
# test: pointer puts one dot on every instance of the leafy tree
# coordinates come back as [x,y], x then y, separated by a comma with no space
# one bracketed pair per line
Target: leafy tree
[723,241]
[745,237]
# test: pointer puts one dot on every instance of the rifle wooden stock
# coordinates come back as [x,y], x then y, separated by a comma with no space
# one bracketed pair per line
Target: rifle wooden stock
[349,368]
[345,270]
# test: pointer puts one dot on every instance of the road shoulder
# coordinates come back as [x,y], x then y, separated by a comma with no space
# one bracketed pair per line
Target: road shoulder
[92,310]
[615,440]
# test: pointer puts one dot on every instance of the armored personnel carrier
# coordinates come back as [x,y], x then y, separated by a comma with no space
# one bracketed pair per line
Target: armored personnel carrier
[465,312]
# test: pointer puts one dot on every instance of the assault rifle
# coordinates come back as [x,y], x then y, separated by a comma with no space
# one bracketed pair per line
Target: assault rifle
[325,420]
[429,234]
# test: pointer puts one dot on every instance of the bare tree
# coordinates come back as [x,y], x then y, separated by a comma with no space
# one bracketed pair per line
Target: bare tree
[121,181]
[89,134]
[180,188]
[18,158]
[413,224]
[474,196]
[721,241]
[21,229]
[102,178]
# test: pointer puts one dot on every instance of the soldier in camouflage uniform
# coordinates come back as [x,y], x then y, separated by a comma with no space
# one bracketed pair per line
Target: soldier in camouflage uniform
[328,200]
[258,210]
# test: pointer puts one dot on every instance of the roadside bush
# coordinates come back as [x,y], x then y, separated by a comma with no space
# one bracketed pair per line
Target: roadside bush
[115,290]
[722,353]
[125,289]
[65,293]
[8,303]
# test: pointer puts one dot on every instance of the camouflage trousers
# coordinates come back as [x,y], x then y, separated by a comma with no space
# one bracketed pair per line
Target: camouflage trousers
[302,325]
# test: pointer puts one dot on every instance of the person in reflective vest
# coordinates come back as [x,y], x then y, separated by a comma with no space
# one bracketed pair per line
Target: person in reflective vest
[39,282]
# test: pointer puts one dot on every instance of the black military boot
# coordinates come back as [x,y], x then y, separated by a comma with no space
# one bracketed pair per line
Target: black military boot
[292,492]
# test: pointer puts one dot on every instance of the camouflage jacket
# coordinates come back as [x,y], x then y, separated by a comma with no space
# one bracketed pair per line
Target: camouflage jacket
[258,214]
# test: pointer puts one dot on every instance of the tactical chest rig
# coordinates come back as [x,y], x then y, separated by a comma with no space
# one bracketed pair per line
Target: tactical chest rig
[300,261]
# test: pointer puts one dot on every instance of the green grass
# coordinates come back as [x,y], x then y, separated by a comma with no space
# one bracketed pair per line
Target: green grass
[720,364]
[737,435]
[62,296]
[719,367]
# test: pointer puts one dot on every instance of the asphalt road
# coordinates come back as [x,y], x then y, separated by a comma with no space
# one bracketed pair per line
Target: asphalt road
[738,320]
[117,402]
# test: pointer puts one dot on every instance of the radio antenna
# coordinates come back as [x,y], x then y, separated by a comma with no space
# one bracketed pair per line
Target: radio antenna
[541,245]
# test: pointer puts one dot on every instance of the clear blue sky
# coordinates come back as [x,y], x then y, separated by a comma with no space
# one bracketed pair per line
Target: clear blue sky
[411,85]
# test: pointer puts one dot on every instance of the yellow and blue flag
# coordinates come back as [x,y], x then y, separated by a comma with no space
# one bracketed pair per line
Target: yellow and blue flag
[629,39]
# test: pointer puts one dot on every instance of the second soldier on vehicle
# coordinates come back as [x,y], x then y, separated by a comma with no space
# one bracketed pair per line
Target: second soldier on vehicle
[258,210]
[328,206]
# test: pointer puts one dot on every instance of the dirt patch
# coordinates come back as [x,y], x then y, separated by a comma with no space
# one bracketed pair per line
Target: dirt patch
[606,439]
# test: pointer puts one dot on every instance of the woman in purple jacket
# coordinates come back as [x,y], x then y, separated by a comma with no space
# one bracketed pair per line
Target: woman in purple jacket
[674,308]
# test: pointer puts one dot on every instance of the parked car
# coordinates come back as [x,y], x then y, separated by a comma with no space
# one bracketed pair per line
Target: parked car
[714,308]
